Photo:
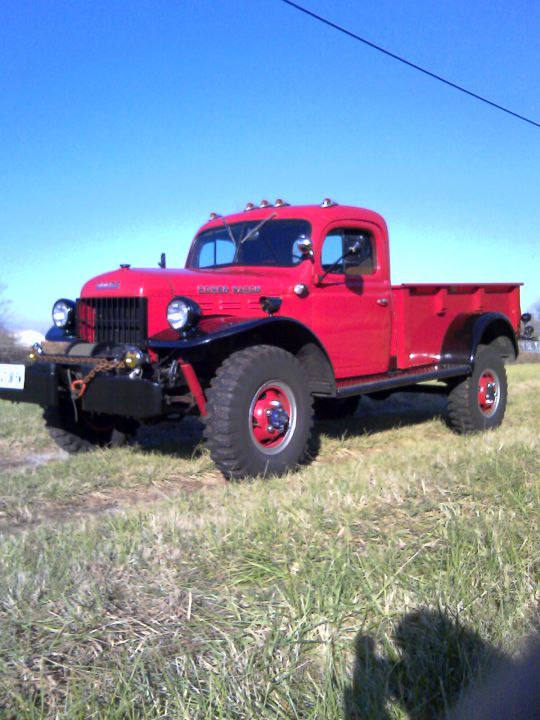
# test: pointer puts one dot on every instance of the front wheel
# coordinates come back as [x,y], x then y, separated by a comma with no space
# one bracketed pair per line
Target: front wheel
[260,413]
[479,401]
[81,432]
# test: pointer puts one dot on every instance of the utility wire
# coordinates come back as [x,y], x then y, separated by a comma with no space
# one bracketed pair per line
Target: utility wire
[343,30]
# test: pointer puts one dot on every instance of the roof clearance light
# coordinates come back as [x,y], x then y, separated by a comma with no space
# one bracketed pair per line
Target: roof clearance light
[327,202]
[214,216]
[249,206]
[281,203]
[265,204]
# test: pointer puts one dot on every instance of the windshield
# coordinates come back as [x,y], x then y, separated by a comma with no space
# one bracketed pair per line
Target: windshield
[254,242]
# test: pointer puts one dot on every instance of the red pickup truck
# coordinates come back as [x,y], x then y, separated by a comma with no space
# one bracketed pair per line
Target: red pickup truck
[281,313]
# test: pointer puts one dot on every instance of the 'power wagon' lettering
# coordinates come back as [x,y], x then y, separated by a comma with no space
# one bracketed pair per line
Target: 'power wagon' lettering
[223,289]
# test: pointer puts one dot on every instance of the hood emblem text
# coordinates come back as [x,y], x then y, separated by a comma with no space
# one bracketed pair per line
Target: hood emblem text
[108,285]
[222,289]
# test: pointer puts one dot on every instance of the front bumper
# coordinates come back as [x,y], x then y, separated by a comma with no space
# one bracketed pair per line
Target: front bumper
[40,386]
[111,394]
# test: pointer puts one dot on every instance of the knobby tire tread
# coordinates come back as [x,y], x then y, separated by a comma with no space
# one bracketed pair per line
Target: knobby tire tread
[463,417]
[224,407]
[70,436]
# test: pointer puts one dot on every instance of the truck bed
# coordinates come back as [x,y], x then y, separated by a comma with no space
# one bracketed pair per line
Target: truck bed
[425,314]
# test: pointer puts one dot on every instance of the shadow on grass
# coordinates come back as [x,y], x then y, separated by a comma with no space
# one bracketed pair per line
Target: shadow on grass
[183,438]
[400,410]
[430,663]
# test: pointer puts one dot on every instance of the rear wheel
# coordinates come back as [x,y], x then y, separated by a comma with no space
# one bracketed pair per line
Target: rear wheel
[87,430]
[479,401]
[260,413]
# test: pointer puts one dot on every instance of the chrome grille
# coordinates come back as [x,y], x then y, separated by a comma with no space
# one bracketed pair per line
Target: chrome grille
[113,319]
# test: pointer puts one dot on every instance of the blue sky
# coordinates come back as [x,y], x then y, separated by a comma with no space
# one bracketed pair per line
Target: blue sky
[123,125]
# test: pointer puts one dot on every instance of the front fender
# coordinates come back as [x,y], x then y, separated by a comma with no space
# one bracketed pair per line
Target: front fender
[217,337]
[211,330]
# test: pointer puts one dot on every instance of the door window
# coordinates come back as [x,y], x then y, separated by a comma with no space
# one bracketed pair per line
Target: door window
[339,242]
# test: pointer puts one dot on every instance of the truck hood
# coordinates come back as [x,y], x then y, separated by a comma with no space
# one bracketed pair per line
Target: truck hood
[200,284]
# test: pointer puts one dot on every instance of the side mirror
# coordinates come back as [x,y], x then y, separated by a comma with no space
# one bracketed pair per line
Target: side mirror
[353,259]
[305,246]
[354,249]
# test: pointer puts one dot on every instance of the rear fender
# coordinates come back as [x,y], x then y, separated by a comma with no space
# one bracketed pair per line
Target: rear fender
[467,332]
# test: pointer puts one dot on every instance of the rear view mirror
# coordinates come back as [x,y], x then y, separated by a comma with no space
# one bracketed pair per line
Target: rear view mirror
[305,246]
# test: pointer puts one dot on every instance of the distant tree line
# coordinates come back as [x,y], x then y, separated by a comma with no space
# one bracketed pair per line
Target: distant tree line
[10,350]
[535,321]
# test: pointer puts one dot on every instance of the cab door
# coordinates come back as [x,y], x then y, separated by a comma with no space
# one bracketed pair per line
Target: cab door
[352,312]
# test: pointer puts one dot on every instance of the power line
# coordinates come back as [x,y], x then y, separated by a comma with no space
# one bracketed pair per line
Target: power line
[343,30]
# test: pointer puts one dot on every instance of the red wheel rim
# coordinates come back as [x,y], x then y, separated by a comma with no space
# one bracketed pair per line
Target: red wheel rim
[488,392]
[272,417]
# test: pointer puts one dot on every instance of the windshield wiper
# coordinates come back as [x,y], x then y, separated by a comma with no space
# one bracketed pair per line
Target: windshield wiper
[229,230]
[256,229]
[253,232]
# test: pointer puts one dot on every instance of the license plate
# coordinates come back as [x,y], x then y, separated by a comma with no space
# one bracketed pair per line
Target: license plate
[12,376]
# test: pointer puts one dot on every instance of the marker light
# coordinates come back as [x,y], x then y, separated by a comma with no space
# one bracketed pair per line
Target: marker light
[36,352]
[134,357]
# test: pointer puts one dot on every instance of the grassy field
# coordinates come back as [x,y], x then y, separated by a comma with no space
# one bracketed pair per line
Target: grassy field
[375,583]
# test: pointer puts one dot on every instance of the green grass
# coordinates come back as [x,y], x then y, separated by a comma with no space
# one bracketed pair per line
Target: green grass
[375,583]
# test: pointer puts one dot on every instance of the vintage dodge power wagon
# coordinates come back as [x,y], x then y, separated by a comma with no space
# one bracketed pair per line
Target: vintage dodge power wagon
[282,313]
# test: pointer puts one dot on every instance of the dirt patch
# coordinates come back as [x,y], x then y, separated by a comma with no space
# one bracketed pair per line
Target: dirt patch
[16,457]
[18,460]
[107,502]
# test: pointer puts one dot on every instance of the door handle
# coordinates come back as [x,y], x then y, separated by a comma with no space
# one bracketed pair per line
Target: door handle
[383,302]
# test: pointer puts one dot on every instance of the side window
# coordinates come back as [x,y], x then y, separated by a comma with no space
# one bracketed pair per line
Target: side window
[216,252]
[332,250]
[339,241]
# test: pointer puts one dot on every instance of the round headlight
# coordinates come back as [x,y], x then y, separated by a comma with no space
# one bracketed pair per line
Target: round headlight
[183,313]
[63,313]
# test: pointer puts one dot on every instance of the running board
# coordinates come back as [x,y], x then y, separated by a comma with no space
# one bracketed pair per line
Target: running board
[402,380]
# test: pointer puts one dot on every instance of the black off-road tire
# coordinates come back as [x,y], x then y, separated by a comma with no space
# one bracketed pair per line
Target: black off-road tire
[87,432]
[479,402]
[250,385]
[335,408]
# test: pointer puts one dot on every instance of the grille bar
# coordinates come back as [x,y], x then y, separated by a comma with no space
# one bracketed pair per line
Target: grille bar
[119,320]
